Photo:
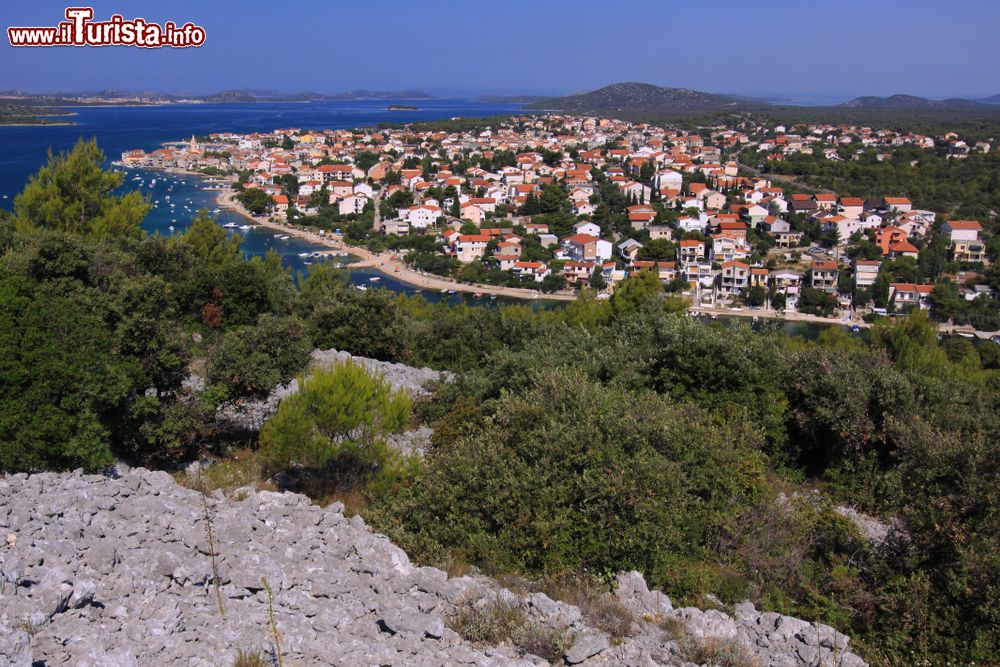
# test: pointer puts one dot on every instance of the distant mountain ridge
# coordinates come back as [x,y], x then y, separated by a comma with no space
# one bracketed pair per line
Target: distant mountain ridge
[509,99]
[633,96]
[909,102]
[995,99]
[409,94]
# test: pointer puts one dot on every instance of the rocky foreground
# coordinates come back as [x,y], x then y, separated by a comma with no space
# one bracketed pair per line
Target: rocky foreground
[97,571]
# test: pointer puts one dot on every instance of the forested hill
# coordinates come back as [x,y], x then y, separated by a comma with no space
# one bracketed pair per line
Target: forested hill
[910,102]
[643,97]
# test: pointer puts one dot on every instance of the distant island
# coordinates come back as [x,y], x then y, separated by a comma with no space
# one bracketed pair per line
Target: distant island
[644,97]
[111,96]
[13,112]
[910,102]
[402,107]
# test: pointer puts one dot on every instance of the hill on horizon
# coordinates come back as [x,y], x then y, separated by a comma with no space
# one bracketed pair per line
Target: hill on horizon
[909,102]
[633,96]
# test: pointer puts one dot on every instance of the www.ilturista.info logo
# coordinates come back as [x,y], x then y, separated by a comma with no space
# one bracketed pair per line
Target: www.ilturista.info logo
[79,29]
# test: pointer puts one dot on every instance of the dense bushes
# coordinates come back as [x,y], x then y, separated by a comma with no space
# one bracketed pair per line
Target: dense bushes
[571,474]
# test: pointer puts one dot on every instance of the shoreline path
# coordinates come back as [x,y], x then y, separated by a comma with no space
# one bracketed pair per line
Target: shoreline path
[388,263]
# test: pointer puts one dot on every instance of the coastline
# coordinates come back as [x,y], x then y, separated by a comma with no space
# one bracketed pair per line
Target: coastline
[37,124]
[388,264]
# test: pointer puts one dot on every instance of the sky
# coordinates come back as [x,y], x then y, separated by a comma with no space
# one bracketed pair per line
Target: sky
[836,48]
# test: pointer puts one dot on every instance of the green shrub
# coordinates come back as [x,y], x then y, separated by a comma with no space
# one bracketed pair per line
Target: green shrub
[337,422]
[251,361]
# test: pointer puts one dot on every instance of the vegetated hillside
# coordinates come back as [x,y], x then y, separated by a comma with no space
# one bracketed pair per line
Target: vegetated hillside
[230,96]
[608,435]
[510,99]
[909,102]
[19,112]
[643,97]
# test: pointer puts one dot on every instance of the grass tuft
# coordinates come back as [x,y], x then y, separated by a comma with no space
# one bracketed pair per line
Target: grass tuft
[497,620]
[716,652]
[250,659]
[600,609]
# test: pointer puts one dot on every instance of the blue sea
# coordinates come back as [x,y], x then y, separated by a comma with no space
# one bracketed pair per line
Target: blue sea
[117,129]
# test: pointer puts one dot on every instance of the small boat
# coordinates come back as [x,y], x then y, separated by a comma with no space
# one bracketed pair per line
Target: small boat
[856,328]
[171,228]
[363,288]
[305,254]
[478,295]
[451,291]
[230,225]
[374,279]
[245,228]
[5,197]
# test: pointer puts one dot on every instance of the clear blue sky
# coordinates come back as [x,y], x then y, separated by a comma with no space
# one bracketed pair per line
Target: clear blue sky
[811,47]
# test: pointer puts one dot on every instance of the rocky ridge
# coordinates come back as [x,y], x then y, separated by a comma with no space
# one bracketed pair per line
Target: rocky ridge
[137,570]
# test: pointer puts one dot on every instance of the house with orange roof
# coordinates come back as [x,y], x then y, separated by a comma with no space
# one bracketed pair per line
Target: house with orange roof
[886,237]
[851,207]
[903,249]
[421,216]
[665,271]
[866,272]
[472,213]
[280,203]
[909,295]
[823,274]
[577,272]
[471,247]
[585,248]
[691,250]
[897,204]
[735,277]
[538,271]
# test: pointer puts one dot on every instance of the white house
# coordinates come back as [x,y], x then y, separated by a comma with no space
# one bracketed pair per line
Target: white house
[689,224]
[471,247]
[352,204]
[669,180]
[422,216]
[587,227]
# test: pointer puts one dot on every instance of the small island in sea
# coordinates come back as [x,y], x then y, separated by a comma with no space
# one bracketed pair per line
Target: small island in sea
[402,107]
